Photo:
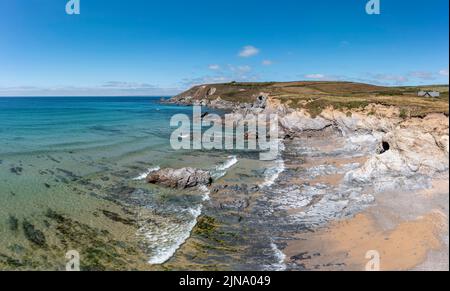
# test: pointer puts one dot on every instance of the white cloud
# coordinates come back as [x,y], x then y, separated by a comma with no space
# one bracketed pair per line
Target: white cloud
[444,72]
[267,62]
[386,79]
[315,76]
[111,88]
[226,74]
[127,85]
[214,67]
[422,75]
[248,51]
[239,69]
[244,69]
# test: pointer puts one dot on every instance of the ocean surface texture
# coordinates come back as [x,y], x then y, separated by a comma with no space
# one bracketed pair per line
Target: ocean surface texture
[72,177]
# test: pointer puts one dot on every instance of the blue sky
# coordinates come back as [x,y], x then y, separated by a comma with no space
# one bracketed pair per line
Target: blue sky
[142,47]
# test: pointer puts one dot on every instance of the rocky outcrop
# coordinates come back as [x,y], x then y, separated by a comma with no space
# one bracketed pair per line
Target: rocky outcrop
[180,178]
[407,147]
[299,121]
[414,148]
[410,150]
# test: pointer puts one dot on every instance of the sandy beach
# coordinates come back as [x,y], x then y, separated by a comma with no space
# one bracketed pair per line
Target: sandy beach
[409,230]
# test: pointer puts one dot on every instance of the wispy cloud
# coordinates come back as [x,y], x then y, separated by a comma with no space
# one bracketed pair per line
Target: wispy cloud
[127,85]
[387,79]
[423,75]
[249,51]
[111,88]
[214,67]
[267,63]
[444,72]
[240,69]
[315,76]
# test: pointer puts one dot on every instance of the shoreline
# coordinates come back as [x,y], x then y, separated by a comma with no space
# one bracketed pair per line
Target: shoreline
[347,226]
[415,241]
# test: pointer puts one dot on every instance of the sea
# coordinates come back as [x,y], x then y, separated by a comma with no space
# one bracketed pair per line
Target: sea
[86,159]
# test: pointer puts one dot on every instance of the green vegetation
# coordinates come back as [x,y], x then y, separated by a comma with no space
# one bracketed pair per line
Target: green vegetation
[403,113]
[316,96]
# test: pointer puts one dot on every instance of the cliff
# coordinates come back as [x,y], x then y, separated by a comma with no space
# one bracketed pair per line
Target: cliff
[409,134]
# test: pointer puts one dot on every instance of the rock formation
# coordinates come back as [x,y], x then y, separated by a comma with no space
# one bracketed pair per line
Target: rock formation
[180,178]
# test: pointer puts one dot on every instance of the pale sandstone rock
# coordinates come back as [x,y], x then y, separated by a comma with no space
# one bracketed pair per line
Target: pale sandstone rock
[299,121]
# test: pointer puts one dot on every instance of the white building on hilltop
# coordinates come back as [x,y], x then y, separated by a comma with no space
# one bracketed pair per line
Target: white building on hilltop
[429,94]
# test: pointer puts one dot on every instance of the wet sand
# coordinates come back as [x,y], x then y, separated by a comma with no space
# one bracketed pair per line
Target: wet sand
[409,230]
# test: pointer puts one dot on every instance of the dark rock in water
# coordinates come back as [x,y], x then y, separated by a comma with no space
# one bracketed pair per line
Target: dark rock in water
[16,170]
[55,216]
[180,178]
[115,217]
[34,235]
[13,223]
[47,185]
[69,174]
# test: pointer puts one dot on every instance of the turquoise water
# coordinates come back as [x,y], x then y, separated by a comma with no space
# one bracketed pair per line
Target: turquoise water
[84,158]
[81,156]
[30,125]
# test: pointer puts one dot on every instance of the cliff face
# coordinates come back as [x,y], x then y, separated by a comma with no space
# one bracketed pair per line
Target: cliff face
[407,150]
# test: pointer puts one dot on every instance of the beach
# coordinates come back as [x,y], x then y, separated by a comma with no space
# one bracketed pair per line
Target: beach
[310,208]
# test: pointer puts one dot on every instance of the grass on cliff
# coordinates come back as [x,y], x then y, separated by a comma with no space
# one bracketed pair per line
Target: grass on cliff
[316,96]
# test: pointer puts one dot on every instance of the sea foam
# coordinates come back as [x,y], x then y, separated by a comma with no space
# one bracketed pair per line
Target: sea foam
[144,175]
[221,170]
[167,241]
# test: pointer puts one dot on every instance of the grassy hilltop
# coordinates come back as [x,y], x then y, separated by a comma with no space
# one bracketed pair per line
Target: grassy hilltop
[315,96]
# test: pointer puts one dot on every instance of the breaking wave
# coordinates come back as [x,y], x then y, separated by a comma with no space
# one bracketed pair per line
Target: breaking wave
[144,175]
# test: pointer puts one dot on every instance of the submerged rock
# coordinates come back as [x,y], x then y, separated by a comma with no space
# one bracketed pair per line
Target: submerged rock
[13,223]
[117,218]
[34,235]
[16,170]
[180,178]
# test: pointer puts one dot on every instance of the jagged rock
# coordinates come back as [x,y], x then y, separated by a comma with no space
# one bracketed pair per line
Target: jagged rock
[180,178]
[261,101]
[219,103]
[300,121]
[416,148]
[211,91]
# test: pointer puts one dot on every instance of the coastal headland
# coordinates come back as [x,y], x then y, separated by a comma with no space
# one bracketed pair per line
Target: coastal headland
[364,171]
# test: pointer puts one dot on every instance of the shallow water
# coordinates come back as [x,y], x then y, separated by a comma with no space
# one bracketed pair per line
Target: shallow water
[86,159]
[81,156]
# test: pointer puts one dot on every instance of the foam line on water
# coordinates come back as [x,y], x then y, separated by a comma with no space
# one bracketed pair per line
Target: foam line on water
[144,175]
[162,253]
[221,170]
